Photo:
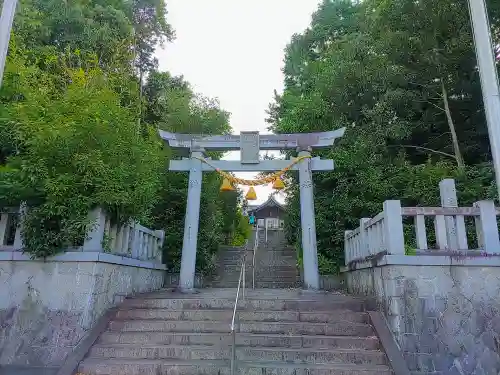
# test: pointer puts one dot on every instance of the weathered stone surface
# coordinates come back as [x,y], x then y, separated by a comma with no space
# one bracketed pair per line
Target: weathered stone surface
[46,308]
[446,319]
[277,333]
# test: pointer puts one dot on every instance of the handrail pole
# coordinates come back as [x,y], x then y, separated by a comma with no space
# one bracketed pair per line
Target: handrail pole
[255,247]
[233,353]
[243,268]
[233,331]
[236,303]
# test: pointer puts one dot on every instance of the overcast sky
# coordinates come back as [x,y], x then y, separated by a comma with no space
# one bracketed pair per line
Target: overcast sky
[233,50]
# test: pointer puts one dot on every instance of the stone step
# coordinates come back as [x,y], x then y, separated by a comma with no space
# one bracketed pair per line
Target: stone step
[275,276]
[233,267]
[278,253]
[288,281]
[259,316]
[337,328]
[270,273]
[232,262]
[225,293]
[236,256]
[242,339]
[279,282]
[256,304]
[234,276]
[284,267]
[227,250]
[289,355]
[270,270]
[274,263]
[292,283]
[221,367]
[279,285]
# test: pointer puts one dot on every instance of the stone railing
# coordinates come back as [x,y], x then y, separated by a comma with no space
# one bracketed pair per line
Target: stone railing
[131,240]
[63,296]
[435,275]
[384,234]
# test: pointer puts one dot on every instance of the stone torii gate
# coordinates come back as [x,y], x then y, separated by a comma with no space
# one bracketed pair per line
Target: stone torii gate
[250,143]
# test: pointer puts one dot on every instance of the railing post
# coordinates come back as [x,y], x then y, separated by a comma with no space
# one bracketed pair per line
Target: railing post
[364,239]
[455,226]
[18,238]
[95,236]
[159,247]
[347,247]
[393,226]
[486,227]
[4,217]
[136,241]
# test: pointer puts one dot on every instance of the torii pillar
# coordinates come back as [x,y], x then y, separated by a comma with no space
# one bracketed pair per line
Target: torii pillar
[191,222]
[308,222]
[250,143]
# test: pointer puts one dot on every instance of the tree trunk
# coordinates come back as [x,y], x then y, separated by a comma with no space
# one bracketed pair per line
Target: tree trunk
[454,138]
[140,101]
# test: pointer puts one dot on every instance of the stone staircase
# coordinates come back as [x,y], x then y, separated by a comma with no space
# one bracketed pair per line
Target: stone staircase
[276,262]
[229,266]
[279,332]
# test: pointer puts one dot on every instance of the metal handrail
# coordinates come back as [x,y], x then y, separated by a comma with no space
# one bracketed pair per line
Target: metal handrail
[255,247]
[241,284]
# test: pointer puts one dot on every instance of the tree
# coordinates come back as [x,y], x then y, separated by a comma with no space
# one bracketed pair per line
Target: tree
[71,103]
[402,77]
[73,151]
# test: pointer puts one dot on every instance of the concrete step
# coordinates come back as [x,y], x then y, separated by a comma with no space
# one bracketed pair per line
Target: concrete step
[279,285]
[259,316]
[230,293]
[225,264]
[289,355]
[232,277]
[276,368]
[236,256]
[231,250]
[263,304]
[242,339]
[221,367]
[285,267]
[275,276]
[276,270]
[337,328]
[232,269]
[273,263]
[264,285]
[275,253]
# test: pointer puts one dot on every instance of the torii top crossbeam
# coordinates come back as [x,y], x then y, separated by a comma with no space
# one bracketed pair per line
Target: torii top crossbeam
[233,142]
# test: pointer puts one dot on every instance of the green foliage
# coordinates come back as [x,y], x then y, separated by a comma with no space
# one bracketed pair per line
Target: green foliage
[79,149]
[78,130]
[379,69]
[243,229]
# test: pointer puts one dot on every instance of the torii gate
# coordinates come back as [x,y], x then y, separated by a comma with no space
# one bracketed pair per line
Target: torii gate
[250,143]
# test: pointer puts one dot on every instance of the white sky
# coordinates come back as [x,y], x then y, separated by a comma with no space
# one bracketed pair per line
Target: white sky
[233,50]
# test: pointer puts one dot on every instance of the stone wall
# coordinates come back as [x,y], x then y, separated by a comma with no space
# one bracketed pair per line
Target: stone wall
[444,313]
[46,308]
